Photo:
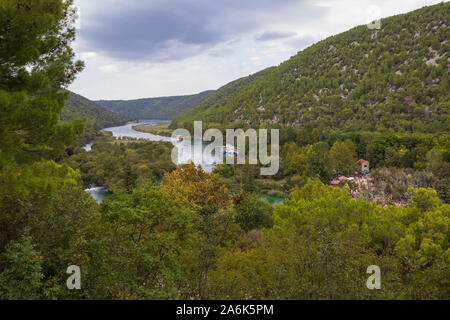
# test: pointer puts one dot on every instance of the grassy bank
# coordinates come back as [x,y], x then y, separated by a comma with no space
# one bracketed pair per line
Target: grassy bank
[161,129]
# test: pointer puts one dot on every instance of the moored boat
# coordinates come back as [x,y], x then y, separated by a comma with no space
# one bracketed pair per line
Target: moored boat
[229,150]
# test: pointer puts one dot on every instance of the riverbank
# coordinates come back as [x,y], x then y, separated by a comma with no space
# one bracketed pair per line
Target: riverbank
[160,129]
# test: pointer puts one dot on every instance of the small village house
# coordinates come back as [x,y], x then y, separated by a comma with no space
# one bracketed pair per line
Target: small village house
[364,166]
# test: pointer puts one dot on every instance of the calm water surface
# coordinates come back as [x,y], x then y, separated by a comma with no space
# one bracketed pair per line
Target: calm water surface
[208,164]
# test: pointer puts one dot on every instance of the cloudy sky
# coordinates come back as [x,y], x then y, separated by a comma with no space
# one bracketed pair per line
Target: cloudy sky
[151,48]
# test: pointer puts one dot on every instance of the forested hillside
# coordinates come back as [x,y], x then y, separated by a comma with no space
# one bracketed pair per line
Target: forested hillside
[78,107]
[164,108]
[180,233]
[218,95]
[392,78]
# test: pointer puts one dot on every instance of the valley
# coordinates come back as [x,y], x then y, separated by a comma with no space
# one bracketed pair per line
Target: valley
[357,127]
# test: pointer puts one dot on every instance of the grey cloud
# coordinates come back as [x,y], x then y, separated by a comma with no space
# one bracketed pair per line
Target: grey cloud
[274,34]
[221,52]
[166,30]
[301,42]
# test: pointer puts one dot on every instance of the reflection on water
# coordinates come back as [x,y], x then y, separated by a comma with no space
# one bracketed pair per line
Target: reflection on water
[207,163]
[184,156]
[128,131]
[272,200]
[98,193]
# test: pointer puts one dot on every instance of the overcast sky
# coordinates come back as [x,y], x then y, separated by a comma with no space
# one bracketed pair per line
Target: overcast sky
[151,48]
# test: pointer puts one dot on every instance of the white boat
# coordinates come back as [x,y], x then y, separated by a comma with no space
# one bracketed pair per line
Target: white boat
[180,138]
[229,150]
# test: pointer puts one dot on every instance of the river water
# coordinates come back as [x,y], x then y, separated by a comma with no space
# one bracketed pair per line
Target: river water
[97,193]
[195,155]
[128,131]
[208,162]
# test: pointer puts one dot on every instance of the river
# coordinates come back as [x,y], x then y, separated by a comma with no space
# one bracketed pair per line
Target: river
[98,193]
[128,131]
[207,163]
[196,156]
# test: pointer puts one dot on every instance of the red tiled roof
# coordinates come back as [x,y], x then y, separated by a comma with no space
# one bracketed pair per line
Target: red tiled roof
[338,180]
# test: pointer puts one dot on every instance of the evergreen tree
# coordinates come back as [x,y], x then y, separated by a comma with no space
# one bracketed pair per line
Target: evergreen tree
[36,62]
[23,278]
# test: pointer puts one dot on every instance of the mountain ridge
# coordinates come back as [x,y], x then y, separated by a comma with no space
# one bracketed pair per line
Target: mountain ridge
[163,108]
[395,78]
[78,106]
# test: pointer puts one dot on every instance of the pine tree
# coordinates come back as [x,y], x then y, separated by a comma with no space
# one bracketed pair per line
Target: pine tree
[36,62]
[22,279]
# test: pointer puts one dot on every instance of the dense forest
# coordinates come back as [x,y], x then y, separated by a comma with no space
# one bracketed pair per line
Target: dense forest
[178,232]
[216,96]
[164,108]
[122,164]
[395,78]
[97,117]
[78,107]
[379,95]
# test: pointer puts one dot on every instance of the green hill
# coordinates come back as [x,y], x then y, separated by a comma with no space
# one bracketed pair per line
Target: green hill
[164,108]
[79,107]
[222,93]
[395,78]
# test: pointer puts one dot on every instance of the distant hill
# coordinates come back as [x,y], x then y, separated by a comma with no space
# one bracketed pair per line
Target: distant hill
[395,78]
[164,108]
[79,107]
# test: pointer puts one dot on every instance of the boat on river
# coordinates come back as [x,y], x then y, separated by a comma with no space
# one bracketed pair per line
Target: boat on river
[229,150]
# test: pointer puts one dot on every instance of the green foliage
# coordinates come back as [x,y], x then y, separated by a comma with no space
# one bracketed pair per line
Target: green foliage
[23,277]
[319,161]
[78,107]
[309,161]
[424,246]
[200,235]
[252,212]
[423,199]
[343,157]
[135,247]
[42,204]
[123,164]
[395,78]
[35,62]
[213,98]
[442,184]
[323,241]
[414,158]
[48,199]
[208,197]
